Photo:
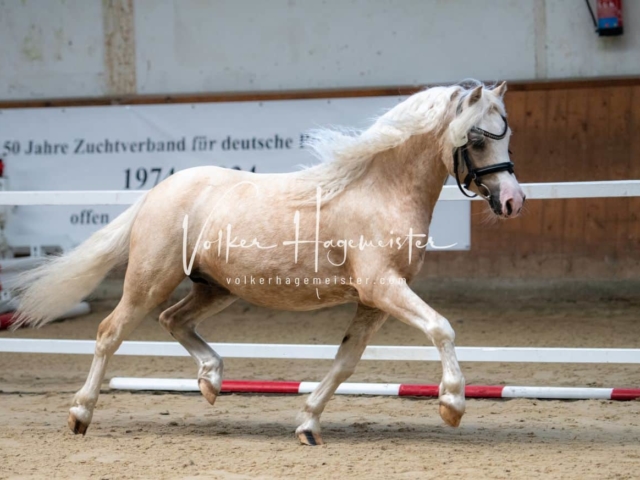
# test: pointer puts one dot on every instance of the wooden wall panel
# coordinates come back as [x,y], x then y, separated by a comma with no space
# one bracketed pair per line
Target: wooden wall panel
[533,164]
[551,237]
[619,150]
[569,134]
[576,139]
[596,166]
[633,218]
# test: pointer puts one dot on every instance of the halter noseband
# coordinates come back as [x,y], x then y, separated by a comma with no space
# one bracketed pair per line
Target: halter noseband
[474,174]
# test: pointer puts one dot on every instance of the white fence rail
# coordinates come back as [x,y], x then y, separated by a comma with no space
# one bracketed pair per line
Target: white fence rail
[328,352]
[534,191]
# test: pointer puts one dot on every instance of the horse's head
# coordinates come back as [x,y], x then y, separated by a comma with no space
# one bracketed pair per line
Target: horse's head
[480,145]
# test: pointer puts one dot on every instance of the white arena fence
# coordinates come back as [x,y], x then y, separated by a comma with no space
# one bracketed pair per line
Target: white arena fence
[328,352]
[534,191]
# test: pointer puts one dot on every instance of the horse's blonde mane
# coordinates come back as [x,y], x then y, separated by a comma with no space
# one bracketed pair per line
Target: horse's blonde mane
[345,154]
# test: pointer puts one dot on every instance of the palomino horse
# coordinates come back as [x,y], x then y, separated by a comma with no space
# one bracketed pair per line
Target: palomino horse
[350,229]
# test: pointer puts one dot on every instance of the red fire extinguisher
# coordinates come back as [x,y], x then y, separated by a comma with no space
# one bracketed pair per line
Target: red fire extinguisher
[609,21]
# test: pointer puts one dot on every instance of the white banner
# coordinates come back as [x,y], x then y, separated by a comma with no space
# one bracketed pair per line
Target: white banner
[135,147]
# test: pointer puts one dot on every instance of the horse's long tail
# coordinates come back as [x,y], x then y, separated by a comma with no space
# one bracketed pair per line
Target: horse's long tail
[51,289]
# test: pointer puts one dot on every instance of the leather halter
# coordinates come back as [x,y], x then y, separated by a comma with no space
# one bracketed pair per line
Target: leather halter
[474,174]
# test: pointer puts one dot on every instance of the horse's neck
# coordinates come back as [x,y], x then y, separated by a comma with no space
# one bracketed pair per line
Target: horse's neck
[414,171]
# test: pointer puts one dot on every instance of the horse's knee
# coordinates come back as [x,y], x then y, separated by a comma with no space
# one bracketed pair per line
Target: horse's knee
[167,320]
[441,331]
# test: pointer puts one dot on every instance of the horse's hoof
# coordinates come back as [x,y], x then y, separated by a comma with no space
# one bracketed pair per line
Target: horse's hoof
[76,425]
[310,438]
[450,416]
[207,390]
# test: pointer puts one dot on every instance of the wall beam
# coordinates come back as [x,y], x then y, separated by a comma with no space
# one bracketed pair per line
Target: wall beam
[119,47]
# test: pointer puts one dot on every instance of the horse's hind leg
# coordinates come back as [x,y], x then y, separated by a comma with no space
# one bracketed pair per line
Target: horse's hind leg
[111,332]
[138,300]
[181,321]
[364,325]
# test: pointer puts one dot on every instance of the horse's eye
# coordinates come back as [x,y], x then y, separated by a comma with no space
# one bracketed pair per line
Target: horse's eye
[478,144]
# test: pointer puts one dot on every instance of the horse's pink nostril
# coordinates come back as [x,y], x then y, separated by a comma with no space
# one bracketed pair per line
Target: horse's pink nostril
[509,206]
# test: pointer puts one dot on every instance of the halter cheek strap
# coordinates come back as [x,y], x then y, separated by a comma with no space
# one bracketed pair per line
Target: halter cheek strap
[461,154]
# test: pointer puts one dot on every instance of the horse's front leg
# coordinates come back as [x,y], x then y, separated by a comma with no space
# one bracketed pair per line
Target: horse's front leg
[401,302]
[363,326]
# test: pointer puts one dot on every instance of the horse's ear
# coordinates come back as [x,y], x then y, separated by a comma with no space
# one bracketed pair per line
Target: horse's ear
[501,89]
[475,95]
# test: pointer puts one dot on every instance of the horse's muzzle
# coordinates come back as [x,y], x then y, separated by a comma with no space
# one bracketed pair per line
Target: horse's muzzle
[507,203]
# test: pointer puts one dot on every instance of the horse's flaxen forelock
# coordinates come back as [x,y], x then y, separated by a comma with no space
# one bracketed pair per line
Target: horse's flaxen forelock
[346,153]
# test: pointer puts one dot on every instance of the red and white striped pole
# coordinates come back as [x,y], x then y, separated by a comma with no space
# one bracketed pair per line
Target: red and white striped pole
[388,389]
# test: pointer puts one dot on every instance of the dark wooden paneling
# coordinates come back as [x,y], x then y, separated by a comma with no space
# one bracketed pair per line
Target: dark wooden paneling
[534,165]
[597,167]
[619,150]
[633,242]
[555,152]
[570,134]
[576,139]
